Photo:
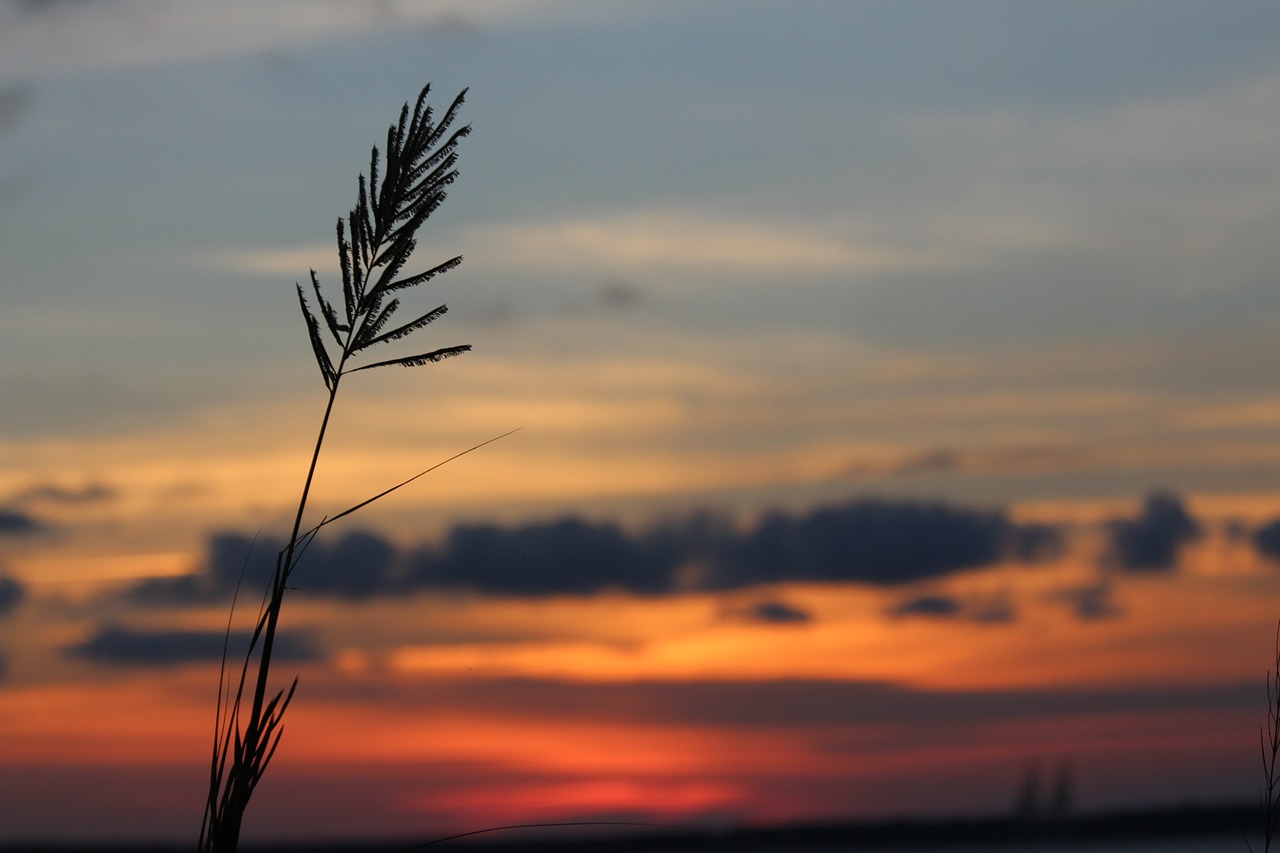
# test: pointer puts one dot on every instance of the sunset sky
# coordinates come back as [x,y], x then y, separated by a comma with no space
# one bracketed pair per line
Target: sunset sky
[896,386]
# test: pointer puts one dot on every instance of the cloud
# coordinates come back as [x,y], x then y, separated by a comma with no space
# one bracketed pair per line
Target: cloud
[771,613]
[16,523]
[353,566]
[816,703]
[936,606]
[990,610]
[1037,542]
[15,100]
[619,293]
[45,36]
[870,542]
[660,240]
[1091,603]
[568,556]
[356,566]
[1267,539]
[1017,459]
[625,242]
[53,493]
[284,261]
[124,647]
[11,595]
[1151,541]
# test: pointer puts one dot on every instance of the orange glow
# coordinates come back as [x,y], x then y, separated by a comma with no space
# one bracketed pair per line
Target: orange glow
[850,637]
[670,799]
[503,738]
[124,722]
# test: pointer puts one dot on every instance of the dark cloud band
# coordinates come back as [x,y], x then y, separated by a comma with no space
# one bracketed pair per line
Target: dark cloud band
[125,647]
[869,542]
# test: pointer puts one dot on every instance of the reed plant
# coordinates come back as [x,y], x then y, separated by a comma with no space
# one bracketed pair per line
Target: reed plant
[374,243]
[1269,746]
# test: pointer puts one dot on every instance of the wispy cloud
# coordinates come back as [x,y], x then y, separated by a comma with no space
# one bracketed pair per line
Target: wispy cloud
[57,493]
[634,242]
[663,239]
[287,261]
[44,37]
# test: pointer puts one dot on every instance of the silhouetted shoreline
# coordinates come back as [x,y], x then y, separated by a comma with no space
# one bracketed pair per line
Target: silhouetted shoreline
[1180,823]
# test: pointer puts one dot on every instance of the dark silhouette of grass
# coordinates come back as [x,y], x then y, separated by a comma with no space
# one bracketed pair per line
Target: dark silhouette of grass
[374,244]
[1269,746]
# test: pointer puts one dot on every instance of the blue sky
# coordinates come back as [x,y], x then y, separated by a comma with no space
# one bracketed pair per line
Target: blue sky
[719,256]
[939,178]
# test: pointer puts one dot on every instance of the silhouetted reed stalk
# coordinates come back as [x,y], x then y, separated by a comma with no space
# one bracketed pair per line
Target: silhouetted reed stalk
[420,159]
[1269,741]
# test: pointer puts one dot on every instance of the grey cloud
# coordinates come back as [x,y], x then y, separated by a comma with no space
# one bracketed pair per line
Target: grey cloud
[946,460]
[187,589]
[994,609]
[15,100]
[937,606]
[933,461]
[560,557]
[871,542]
[1091,603]
[1267,539]
[125,647]
[354,566]
[11,595]
[867,541]
[16,523]
[1151,541]
[991,610]
[771,613]
[617,293]
[1036,542]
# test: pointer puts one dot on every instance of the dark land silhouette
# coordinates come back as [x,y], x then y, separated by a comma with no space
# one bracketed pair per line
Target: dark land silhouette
[1182,823]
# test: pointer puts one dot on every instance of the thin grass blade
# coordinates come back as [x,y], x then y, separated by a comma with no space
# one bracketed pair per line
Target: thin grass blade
[401,485]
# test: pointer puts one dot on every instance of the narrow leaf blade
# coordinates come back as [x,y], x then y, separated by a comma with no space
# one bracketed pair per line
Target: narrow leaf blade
[408,328]
[419,360]
[317,343]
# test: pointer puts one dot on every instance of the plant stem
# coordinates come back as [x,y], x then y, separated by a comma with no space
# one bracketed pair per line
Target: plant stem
[285,566]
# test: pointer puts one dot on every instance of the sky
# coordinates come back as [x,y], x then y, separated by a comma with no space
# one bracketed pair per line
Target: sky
[894,386]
